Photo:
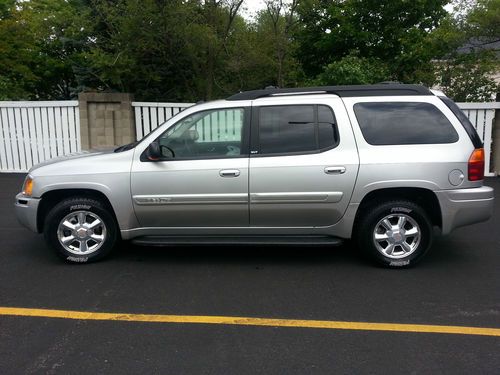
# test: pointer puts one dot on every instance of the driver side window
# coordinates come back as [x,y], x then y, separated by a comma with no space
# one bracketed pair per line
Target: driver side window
[207,134]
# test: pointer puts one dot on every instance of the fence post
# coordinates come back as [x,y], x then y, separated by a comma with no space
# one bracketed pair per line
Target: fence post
[106,119]
[495,147]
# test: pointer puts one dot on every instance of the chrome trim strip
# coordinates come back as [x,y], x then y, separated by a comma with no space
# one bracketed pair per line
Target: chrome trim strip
[297,197]
[158,200]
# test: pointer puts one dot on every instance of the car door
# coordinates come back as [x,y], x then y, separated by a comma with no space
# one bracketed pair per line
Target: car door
[303,163]
[202,180]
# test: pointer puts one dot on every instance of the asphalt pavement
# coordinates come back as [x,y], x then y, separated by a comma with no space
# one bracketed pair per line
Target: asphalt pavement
[457,284]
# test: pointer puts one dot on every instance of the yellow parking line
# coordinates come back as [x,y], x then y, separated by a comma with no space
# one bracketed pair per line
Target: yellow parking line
[246,321]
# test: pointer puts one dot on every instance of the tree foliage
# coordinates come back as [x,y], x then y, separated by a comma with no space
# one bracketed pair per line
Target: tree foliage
[353,70]
[465,62]
[391,31]
[187,50]
[40,42]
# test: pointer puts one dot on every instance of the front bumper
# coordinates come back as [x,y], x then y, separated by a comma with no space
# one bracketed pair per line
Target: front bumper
[462,207]
[26,211]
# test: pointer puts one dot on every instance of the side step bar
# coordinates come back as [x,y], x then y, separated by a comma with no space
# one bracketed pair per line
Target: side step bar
[238,240]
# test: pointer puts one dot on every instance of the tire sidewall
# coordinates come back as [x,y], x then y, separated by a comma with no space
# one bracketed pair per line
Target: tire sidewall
[68,206]
[367,228]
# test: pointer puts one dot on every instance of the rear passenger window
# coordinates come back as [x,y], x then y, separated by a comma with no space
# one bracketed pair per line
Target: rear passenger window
[400,123]
[296,129]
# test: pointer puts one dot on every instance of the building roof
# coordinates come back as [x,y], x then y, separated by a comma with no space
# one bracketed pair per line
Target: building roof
[480,44]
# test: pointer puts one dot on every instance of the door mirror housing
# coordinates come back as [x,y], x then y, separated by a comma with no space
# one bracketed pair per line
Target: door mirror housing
[153,152]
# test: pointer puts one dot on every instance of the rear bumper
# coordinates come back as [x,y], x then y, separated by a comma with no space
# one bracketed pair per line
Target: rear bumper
[462,207]
[26,211]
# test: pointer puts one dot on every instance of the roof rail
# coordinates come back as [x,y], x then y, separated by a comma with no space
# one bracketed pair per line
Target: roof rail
[389,83]
[389,89]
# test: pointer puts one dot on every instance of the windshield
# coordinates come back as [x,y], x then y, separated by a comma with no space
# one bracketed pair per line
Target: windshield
[174,117]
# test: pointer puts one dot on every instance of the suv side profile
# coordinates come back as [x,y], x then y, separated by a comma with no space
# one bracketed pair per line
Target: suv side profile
[382,164]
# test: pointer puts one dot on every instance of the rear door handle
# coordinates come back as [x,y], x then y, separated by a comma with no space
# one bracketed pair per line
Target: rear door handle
[229,173]
[334,170]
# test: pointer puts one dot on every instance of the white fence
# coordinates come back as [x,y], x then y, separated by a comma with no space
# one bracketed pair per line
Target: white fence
[482,115]
[31,132]
[149,115]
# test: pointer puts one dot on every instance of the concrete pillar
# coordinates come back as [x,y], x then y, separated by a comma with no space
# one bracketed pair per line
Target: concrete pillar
[106,119]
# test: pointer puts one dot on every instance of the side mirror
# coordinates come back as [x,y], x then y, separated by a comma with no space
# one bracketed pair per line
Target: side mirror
[157,152]
[153,151]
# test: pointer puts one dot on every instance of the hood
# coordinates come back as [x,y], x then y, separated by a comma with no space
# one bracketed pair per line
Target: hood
[73,156]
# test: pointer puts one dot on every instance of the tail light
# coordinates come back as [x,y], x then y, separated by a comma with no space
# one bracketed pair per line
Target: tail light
[476,165]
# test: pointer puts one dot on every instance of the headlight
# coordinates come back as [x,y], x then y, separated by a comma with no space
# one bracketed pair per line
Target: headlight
[28,186]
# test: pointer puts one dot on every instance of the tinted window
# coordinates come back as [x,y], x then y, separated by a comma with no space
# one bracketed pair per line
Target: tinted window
[291,129]
[464,120]
[326,127]
[403,123]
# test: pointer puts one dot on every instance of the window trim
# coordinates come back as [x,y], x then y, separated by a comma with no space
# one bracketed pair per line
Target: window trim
[245,138]
[403,144]
[255,131]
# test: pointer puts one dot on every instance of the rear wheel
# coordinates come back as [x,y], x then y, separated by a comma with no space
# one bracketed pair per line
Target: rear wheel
[395,234]
[80,230]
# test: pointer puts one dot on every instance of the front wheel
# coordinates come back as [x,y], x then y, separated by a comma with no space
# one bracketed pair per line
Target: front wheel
[395,234]
[80,230]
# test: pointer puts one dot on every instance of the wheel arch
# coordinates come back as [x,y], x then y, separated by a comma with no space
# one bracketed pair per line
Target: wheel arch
[50,198]
[425,198]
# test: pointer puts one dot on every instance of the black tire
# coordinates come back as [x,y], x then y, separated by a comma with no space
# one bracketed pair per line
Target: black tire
[403,255]
[92,210]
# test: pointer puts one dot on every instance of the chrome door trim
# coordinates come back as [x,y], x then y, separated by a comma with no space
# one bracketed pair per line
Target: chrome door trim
[156,200]
[297,197]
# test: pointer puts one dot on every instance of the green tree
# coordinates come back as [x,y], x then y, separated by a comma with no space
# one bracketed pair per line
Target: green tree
[390,31]
[484,19]
[40,44]
[464,62]
[353,70]
[467,77]
[276,26]
[163,50]
[138,47]
[17,47]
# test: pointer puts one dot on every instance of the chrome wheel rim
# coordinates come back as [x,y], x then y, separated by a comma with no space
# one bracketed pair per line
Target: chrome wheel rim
[81,232]
[396,236]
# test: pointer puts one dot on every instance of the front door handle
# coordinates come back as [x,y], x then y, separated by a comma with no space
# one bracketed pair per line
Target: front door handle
[334,170]
[229,173]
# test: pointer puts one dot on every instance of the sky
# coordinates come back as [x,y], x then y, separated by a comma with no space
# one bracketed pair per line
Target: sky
[252,6]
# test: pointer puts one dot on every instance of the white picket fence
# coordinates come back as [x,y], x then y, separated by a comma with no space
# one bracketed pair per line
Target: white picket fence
[32,132]
[481,115]
[148,115]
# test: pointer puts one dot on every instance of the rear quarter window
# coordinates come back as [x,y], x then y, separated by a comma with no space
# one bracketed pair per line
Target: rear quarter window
[469,128]
[403,123]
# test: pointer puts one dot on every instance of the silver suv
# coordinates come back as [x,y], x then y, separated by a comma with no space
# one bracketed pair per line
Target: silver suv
[381,164]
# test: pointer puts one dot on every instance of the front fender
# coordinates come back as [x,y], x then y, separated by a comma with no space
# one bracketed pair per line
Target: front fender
[114,186]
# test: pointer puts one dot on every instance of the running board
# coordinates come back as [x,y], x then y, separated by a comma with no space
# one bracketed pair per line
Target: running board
[238,240]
